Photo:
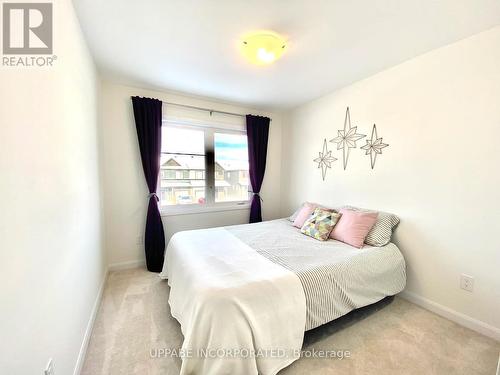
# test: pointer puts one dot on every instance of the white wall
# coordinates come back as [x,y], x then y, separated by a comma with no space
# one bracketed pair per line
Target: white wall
[125,192]
[440,113]
[51,257]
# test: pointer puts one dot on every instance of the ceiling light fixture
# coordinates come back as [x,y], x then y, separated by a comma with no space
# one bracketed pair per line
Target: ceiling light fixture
[263,47]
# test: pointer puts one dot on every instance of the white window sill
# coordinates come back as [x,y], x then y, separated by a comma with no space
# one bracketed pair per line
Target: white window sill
[198,209]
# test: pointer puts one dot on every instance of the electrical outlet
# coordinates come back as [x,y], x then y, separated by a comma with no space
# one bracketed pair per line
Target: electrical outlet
[466,282]
[139,240]
[49,369]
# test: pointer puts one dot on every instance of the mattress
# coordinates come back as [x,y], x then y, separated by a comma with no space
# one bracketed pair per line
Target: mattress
[336,277]
[250,291]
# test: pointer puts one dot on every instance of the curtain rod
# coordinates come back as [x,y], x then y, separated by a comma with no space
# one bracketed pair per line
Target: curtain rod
[205,109]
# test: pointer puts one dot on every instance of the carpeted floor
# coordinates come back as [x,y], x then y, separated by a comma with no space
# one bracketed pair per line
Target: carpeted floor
[390,337]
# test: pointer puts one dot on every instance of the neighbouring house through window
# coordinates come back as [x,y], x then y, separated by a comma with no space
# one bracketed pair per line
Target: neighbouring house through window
[202,166]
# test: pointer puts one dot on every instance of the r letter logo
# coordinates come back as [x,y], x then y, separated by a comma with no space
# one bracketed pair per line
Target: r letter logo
[27,28]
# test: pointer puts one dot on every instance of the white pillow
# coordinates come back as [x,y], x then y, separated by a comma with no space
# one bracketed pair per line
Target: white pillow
[296,213]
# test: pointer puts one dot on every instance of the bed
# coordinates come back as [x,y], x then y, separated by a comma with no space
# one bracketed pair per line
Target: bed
[245,294]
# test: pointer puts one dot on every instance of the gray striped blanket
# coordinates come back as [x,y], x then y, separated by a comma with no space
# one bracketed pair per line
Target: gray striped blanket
[336,277]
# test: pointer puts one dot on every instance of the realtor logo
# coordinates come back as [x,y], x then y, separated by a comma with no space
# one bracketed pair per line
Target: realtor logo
[27,28]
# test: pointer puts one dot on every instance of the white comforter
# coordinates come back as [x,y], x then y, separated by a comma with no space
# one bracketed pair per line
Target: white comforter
[239,312]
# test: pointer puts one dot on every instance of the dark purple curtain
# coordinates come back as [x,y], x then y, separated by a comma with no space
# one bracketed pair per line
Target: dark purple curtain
[148,115]
[258,134]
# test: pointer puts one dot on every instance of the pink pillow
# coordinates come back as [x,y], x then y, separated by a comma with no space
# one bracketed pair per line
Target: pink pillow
[304,213]
[353,227]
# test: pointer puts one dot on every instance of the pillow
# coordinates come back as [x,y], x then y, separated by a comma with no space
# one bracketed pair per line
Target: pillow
[320,224]
[296,213]
[353,227]
[381,233]
[304,213]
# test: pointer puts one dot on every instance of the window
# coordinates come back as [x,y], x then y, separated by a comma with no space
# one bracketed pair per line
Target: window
[231,165]
[183,151]
[202,167]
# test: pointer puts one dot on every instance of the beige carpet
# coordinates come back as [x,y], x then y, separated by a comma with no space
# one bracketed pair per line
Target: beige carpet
[390,337]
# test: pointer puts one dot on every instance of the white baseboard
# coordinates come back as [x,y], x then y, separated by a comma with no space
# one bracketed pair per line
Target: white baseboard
[90,325]
[126,265]
[455,316]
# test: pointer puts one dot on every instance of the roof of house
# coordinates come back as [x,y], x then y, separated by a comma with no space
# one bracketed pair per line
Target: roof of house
[190,183]
[182,162]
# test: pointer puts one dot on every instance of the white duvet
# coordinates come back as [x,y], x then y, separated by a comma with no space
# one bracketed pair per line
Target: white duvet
[239,312]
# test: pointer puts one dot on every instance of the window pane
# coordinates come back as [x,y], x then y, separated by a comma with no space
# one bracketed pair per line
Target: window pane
[231,167]
[182,176]
[179,184]
[182,140]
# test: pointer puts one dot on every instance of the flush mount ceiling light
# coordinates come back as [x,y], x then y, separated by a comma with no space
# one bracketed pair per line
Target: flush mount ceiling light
[263,47]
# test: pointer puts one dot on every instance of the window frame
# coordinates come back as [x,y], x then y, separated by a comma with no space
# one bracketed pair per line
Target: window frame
[210,205]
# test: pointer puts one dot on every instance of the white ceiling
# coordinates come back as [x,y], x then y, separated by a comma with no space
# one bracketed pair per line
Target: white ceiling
[192,46]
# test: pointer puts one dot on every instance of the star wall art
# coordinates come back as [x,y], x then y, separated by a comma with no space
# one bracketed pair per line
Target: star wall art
[374,146]
[347,138]
[324,160]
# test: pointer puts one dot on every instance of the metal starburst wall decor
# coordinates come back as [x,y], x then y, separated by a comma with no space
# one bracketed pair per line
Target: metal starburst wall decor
[347,138]
[346,141]
[374,146]
[324,160]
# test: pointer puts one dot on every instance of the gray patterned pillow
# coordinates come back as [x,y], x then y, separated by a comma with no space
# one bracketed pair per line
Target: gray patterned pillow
[320,224]
[381,233]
